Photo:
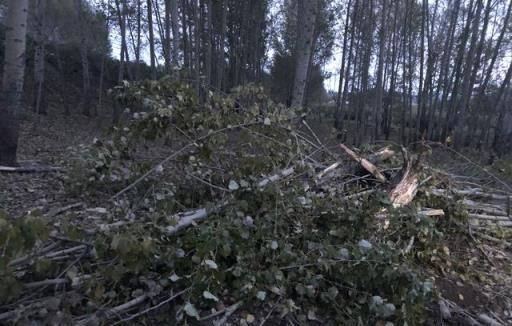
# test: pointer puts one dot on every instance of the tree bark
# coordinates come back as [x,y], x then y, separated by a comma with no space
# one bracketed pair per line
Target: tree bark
[151,39]
[221,45]
[175,33]
[12,84]
[167,39]
[84,56]
[339,112]
[39,94]
[380,86]
[304,49]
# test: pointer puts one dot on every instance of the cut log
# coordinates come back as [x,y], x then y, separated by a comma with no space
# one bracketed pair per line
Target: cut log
[430,212]
[367,165]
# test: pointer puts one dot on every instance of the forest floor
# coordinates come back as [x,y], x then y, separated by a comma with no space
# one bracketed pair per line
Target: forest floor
[474,282]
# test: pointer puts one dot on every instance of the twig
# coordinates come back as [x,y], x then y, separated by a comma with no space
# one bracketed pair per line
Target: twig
[269,313]
[153,169]
[229,311]
[115,310]
[55,281]
[145,311]
[60,210]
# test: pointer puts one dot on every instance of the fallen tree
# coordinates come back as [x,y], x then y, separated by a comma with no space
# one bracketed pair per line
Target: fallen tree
[240,211]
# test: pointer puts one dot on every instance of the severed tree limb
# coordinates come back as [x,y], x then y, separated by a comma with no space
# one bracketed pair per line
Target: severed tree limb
[145,311]
[229,311]
[367,165]
[186,219]
[276,177]
[490,217]
[30,168]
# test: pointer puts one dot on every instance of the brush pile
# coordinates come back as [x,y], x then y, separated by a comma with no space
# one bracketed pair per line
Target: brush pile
[234,211]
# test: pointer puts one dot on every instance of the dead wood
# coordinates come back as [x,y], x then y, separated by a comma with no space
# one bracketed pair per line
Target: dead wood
[367,165]
[404,190]
[30,167]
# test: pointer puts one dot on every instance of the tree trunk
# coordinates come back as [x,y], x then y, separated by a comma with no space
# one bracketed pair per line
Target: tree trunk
[467,87]
[122,26]
[444,74]
[39,94]
[175,33]
[139,41]
[151,39]
[380,86]
[304,49]
[501,107]
[166,43]
[84,56]
[339,112]
[208,38]
[12,84]
[197,47]
[221,45]
[457,74]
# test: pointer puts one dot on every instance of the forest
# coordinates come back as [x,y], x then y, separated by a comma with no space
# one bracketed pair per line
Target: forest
[256,162]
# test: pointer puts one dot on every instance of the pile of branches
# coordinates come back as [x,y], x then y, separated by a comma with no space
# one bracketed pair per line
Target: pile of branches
[233,208]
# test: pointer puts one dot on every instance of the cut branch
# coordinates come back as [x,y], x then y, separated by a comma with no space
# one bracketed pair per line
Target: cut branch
[367,165]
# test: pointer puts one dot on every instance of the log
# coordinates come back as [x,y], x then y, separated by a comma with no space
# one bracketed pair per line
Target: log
[367,165]
[430,212]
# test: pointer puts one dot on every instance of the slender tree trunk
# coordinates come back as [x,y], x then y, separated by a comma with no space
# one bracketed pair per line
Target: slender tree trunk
[122,26]
[388,108]
[39,94]
[501,108]
[186,43]
[303,51]
[466,86]
[175,33]
[208,39]
[422,60]
[380,86]
[167,39]
[12,84]
[221,46]
[139,41]
[84,56]
[197,46]
[151,39]
[490,69]
[444,74]
[458,73]
[338,113]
